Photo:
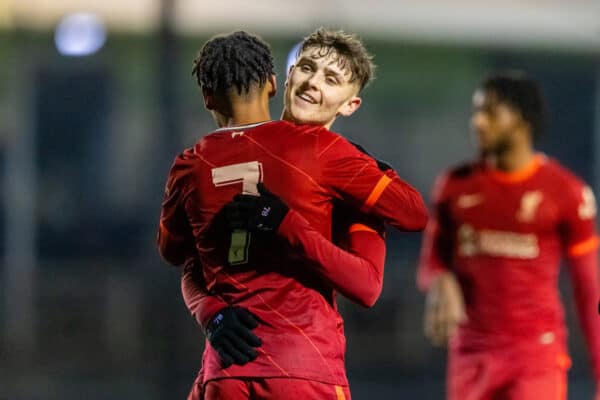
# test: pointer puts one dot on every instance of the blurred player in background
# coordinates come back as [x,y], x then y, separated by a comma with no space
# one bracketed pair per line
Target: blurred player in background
[302,352]
[491,255]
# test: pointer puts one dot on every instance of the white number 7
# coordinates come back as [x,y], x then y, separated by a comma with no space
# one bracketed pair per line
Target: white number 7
[248,174]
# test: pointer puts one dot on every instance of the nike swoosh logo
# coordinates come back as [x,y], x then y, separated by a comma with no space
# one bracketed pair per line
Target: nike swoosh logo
[469,200]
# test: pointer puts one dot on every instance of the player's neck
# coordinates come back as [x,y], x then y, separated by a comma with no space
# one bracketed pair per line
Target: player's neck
[248,113]
[513,159]
[245,109]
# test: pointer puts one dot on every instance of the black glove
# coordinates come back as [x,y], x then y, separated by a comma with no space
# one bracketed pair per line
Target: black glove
[262,213]
[230,334]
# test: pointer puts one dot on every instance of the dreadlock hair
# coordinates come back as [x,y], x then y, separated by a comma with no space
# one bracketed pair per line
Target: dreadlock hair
[236,60]
[349,50]
[518,91]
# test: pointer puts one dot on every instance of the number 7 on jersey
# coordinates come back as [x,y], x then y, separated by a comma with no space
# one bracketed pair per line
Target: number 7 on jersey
[248,174]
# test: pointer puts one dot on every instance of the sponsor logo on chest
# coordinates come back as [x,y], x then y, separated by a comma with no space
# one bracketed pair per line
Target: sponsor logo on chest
[488,242]
[501,242]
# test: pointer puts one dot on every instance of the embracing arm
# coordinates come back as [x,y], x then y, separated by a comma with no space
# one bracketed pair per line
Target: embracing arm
[357,273]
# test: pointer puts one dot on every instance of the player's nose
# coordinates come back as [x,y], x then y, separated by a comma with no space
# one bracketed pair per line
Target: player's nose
[313,81]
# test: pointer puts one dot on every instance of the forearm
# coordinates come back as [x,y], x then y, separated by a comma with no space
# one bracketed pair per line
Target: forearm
[357,275]
[201,304]
[433,261]
[584,274]
[358,179]
[399,204]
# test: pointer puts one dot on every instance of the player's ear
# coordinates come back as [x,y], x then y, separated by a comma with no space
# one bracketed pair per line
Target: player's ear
[350,106]
[272,81]
[209,99]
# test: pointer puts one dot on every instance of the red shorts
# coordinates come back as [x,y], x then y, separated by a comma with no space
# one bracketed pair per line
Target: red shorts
[506,375]
[267,388]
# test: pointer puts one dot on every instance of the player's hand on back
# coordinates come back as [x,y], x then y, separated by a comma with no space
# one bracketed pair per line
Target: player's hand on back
[230,334]
[262,213]
[444,309]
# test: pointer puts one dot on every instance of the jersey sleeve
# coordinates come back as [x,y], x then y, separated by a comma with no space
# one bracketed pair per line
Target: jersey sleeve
[438,241]
[201,304]
[357,273]
[581,246]
[356,178]
[175,239]
[579,219]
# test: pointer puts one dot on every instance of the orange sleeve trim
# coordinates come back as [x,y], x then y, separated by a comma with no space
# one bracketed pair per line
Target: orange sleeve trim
[339,393]
[360,228]
[584,247]
[563,361]
[376,193]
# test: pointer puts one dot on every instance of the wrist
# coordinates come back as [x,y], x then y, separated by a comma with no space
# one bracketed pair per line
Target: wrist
[438,278]
[215,320]
[291,226]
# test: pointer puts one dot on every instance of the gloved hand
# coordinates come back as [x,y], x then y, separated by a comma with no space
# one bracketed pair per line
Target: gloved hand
[262,213]
[230,334]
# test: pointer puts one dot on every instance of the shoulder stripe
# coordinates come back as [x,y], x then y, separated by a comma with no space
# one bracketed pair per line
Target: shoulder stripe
[275,156]
[212,165]
[584,247]
[376,193]
[329,145]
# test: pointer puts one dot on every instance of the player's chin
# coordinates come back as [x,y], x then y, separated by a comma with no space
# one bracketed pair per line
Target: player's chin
[486,149]
[305,118]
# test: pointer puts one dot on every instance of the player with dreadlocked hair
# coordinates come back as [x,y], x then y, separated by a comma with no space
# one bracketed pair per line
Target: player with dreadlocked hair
[279,266]
[238,60]
[235,73]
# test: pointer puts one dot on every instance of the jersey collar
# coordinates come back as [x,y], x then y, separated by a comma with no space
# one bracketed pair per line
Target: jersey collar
[238,127]
[521,174]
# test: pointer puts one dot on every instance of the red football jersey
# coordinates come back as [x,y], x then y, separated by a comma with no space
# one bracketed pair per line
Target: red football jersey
[308,167]
[352,265]
[503,235]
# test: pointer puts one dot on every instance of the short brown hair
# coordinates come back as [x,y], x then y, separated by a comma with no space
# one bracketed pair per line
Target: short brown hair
[348,48]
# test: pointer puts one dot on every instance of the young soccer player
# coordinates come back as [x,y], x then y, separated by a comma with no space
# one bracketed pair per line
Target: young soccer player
[491,254]
[308,167]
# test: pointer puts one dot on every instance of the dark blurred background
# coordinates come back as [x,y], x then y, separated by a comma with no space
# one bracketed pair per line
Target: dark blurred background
[97,98]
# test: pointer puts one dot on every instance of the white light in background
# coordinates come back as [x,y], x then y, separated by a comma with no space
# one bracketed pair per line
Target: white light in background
[79,34]
[291,60]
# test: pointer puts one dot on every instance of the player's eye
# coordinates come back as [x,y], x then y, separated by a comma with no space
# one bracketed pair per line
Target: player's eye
[305,68]
[331,80]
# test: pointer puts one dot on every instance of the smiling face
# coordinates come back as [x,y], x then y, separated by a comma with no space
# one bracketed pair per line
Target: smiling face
[319,88]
